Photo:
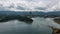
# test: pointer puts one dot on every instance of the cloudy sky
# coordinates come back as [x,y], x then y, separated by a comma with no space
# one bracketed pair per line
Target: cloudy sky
[17,5]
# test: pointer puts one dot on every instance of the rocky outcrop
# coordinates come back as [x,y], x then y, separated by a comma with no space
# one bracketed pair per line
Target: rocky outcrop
[55,30]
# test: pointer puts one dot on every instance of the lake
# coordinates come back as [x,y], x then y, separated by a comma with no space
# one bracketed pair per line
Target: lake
[40,25]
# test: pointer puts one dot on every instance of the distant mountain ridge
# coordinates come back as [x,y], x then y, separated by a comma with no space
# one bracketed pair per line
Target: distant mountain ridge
[40,14]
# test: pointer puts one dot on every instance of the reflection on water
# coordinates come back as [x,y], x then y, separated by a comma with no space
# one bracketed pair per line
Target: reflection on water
[39,26]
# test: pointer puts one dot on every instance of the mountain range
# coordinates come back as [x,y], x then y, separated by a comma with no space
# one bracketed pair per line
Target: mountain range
[36,13]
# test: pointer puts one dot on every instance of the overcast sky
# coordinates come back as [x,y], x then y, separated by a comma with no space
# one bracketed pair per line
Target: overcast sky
[29,4]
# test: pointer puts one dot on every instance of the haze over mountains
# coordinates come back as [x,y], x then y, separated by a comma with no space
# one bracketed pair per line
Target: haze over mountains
[48,7]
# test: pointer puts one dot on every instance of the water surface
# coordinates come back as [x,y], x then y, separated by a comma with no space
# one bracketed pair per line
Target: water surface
[39,26]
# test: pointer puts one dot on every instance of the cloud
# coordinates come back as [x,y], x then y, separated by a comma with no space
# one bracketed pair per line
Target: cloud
[22,4]
[55,7]
[26,5]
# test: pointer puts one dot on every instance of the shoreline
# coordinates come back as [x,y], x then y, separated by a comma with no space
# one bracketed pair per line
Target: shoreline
[55,30]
